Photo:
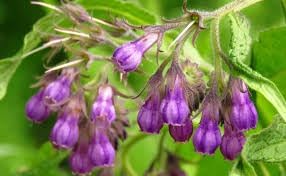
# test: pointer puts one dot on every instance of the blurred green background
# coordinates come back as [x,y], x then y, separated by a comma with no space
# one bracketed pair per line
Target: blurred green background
[20,139]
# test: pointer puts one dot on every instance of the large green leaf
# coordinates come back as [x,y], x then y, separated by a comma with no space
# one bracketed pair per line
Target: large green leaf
[126,10]
[252,78]
[46,162]
[242,168]
[267,53]
[269,145]
[8,66]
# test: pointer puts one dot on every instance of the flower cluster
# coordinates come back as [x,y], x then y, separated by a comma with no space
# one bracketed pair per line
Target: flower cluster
[90,139]
[173,96]
[172,107]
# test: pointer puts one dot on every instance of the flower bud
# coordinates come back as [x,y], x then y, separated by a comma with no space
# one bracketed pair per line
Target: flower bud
[182,133]
[79,159]
[128,56]
[149,117]
[208,137]
[101,151]
[104,106]
[243,114]
[65,133]
[36,110]
[59,89]
[174,107]
[232,143]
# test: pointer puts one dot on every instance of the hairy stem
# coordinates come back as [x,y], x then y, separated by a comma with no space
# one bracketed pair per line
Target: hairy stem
[233,6]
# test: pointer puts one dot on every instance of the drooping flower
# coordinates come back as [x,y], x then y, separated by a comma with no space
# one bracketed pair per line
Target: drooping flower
[174,107]
[243,112]
[104,106]
[59,90]
[149,116]
[182,133]
[101,151]
[65,133]
[232,142]
[208,137]
[128,56]
[36,109]
[79,160]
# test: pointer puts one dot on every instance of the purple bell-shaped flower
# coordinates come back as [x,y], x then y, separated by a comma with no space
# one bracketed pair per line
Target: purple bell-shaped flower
[149,116]
[79,160]
[36,109]
[129,56]
[65,133]
[243,114]
[174,107]
[59,90]
[232,142]
[182,133]
[104,106]
[101,151]
[208,137]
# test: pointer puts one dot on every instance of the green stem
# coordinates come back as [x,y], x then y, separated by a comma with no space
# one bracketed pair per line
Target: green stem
[233,6]
[126,166]
[215,38]
[282,169]
[160,151]
[283,3]
[264,170]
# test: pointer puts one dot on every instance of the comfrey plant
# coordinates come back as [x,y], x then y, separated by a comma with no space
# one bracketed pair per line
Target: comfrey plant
[92,93]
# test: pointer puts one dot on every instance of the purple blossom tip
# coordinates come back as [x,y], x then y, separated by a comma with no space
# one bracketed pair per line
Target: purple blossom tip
[207,137]
[149,117]
[65,132]
[104,106]
[243,114]
[182,133]
[174,107]
[128,56]
[232,143]
[101,151]
[36,109]
[79,160]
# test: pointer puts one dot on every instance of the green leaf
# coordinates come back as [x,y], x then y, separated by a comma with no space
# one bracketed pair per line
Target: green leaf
[267,52]
[241,39]
[8,66]
[252,78]
[269,145]
[46,162]
[242,168]
[127,10]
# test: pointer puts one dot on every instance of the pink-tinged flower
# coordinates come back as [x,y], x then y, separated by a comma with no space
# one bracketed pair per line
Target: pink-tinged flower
[103,105]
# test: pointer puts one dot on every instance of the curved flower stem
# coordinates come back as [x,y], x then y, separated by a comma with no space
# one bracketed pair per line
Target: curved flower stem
[160,151]
[215,38]
[46,45]
[126,166]
[264,170]
[181,34]
[233,6]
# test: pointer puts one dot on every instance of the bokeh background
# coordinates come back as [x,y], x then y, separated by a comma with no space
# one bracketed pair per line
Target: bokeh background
[20,139]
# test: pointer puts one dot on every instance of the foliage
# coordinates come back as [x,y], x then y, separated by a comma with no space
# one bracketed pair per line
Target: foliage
[259,62]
